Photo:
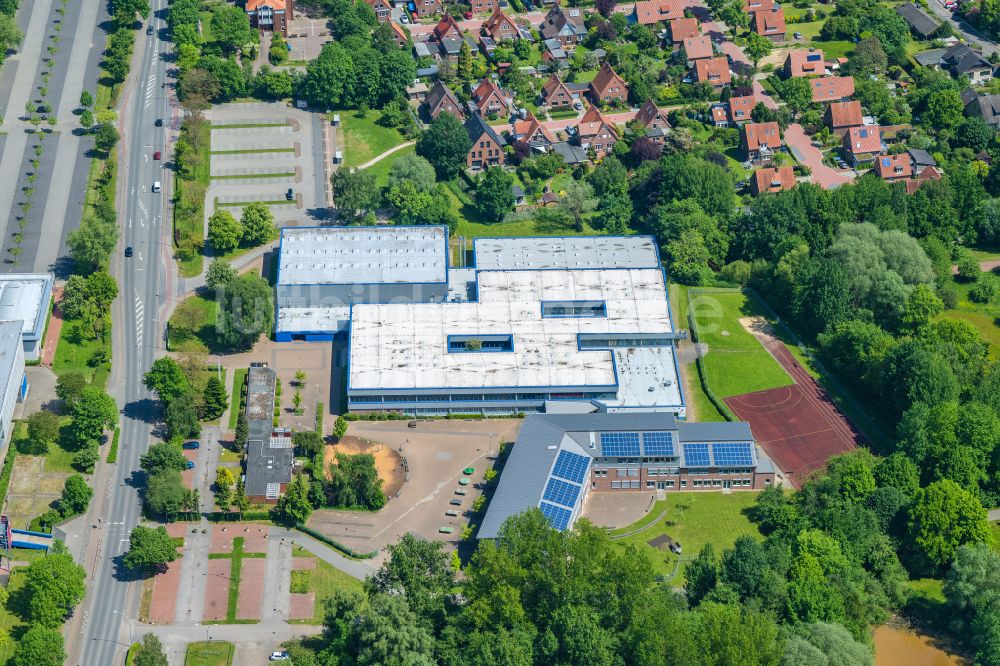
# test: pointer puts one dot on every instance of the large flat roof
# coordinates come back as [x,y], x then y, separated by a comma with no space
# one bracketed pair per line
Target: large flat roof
[363,255]
[566,252]
[25,297]
[405,346]
[10,343]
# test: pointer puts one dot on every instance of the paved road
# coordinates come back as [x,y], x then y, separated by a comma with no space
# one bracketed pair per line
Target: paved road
[801,147]
[967,32]
[137,335]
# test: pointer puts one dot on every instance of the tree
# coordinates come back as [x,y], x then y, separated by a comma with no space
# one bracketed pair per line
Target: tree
[106,138]
[69,387]
[242,432]
[125,11]
[224,231]
[943,517]
[161,457]
[390,634]
[182,417]
[231,28]
[165,494]
[151,650]
[167,379]
[796,93]
[445,145]
[86,458]
[757,47]
[240,499]
[150,548]
[40,646]
[494,194]
[246,312]
[220,274]
[688,258]
[868,57]
[340,427]
[734,16]
[293,508]
[419,570]
[412,169]
[971,585]
[944,110]
[922,305]
[355,191]
[87,119]
[215,399]
[968,267]
[258,224]
[605,7]
[92,414]
[744,567]
[91,244]
[43,429]
[702,575]
[463,68]
[309,442]
[75,496]
[278,53]
[577,200]
[54,586]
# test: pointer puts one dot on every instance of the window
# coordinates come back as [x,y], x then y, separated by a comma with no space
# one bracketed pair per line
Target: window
[616,484]
[633,471]
[634,485]
[651,484]
[684,483]
[480,343]
[670,484]
[574,309]
[697,483]
[620,472]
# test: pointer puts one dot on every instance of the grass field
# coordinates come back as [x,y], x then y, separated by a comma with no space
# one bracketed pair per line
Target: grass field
[984,317]
[382,168]
[11,619]
[239,378]
[700,408]
[209,653]
[77,347]
[324,580]
[736,363]
[694,519]
[364,138]
[192,325]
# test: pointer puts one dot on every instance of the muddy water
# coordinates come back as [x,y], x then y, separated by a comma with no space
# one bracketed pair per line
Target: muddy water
[896,647]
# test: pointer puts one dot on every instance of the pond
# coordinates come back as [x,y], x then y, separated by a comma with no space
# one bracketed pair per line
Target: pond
[899,647]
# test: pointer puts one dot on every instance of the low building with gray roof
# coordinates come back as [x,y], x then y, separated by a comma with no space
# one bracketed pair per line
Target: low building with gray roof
[269,455]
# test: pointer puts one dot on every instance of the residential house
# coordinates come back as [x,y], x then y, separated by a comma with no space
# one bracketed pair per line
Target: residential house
[484,6]
[760,141]
[714,71]
[566,25]
[607,87]
[894,167]
[424,9]
[440,99]
[841,116]
[417,92]
[269,456]
[556,94]
[720,114]
[489,99]
[772,179]
[555,57]
[770,24]
[446,28]
[382,9]
[862,145]
[832,89]
[500,27]
[399,35]
[655,120]
[753,6]
[922,176]
[683,28]
[986,107]
[697,48]
[533,133]
[487,145]
[960,60]
[920,159]
[595,132]
[449,48]
[270,15]
[651,12]
[922,24]
[572,155]
[804,62]
[741,109]
[931,58]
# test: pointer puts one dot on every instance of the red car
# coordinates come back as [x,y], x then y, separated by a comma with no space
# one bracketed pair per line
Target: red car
[156,155]
[468,15]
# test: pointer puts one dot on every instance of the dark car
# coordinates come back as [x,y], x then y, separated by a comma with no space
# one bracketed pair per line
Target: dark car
[289,195]
[159,122]
[191,445]
[149,30]
[128,251]
[190,464]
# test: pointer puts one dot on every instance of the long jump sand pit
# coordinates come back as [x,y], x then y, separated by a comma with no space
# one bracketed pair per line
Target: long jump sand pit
[388,462]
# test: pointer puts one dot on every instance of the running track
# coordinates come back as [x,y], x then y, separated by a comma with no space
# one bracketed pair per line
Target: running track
[798,426]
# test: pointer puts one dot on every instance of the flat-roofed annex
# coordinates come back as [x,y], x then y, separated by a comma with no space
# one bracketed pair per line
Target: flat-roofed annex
[363,255]
[566,252]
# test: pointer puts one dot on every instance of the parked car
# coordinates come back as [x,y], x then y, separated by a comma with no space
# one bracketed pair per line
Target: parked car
[289,195]
[797,35]
[278,656]
[455,502]
[190,464]
[411,424]
[191,445]
[156,186]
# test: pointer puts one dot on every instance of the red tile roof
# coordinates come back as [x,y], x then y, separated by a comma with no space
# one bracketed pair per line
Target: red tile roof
[773,179]
[592,122]
[713,70]
[699,47]
[893,167]
[254,5]
[605,79]
[718,113]
[862,140]
[649,112]
[844,114]
[803,62]
[741,107]
[831,88]
[756,135]
[445,27]
[757,5]
[683,28]
[524,129]
[770,22]
[648,12]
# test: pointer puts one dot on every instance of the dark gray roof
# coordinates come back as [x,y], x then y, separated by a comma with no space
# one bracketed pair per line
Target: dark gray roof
[921,158]
[476,126]
[920,21]
[930,57]
[269,457]
[986,107]
[706,431]
[570,153]
[960,59]
[451,46]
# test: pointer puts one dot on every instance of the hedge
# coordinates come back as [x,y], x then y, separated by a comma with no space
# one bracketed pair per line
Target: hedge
[113,451]
[350,552]
[8,470]
[702,375]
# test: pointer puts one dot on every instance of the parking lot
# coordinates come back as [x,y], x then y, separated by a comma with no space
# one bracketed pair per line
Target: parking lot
[306,37]
[260,152]
[436,454]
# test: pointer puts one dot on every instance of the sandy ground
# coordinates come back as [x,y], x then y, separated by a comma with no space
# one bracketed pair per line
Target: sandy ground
[388,462]
[254,538]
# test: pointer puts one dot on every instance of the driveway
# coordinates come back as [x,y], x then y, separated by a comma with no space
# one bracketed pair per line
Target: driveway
[806,153]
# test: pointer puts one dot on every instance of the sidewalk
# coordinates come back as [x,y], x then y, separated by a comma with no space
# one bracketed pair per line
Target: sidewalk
[55,328]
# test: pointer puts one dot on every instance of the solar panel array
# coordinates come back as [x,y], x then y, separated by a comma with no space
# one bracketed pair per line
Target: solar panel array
[571,466]
[727,454]
[620,444]
[696,455]
[657,444]
[558,516]
[561,492]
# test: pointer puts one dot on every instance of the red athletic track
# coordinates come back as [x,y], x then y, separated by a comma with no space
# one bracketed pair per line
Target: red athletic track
[798,426]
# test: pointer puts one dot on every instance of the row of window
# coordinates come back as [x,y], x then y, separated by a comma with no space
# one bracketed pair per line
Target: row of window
[667,471]
[624,485]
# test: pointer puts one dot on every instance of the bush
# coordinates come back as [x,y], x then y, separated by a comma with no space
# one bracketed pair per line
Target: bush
[968,268]
[986,291]
[948,298]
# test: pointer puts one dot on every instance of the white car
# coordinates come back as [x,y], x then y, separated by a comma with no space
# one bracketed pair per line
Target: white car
[278,656]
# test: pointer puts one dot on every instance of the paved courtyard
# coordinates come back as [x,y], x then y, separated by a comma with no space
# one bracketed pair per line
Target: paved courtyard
[306,37]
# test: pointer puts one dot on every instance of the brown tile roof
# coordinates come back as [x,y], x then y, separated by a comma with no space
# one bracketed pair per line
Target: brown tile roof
[648,12]
[438,94]
[831,88]
[683,28]
[524,129]
[496,20]
[756,135]
[718,113]
[861,140]
[892,167]
[276,5]
[446,27]
[773,179]
[757,5]
[741,107]
[770,22]
[649,112]
[606,78]
[553,85]
[487,90]
[844,114]
[713,70]
[699,47]
[592,122]
[803,62]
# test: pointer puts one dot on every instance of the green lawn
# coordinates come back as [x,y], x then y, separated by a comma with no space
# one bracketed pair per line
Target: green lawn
[59,459]
[810,37]
[11,618]
[382,168]
[192,325]
[700,407]
[323,581]
[209,653]
[694,519]
[983,316]
[364,138]
[736,363]
[239,378]
[77,347]
[471,226]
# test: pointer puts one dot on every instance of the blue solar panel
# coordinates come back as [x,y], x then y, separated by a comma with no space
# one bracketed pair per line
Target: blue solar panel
[696,455]
[620,444]
[571,466]
[732,453]
[558,516]
[561,492]
[657,444]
